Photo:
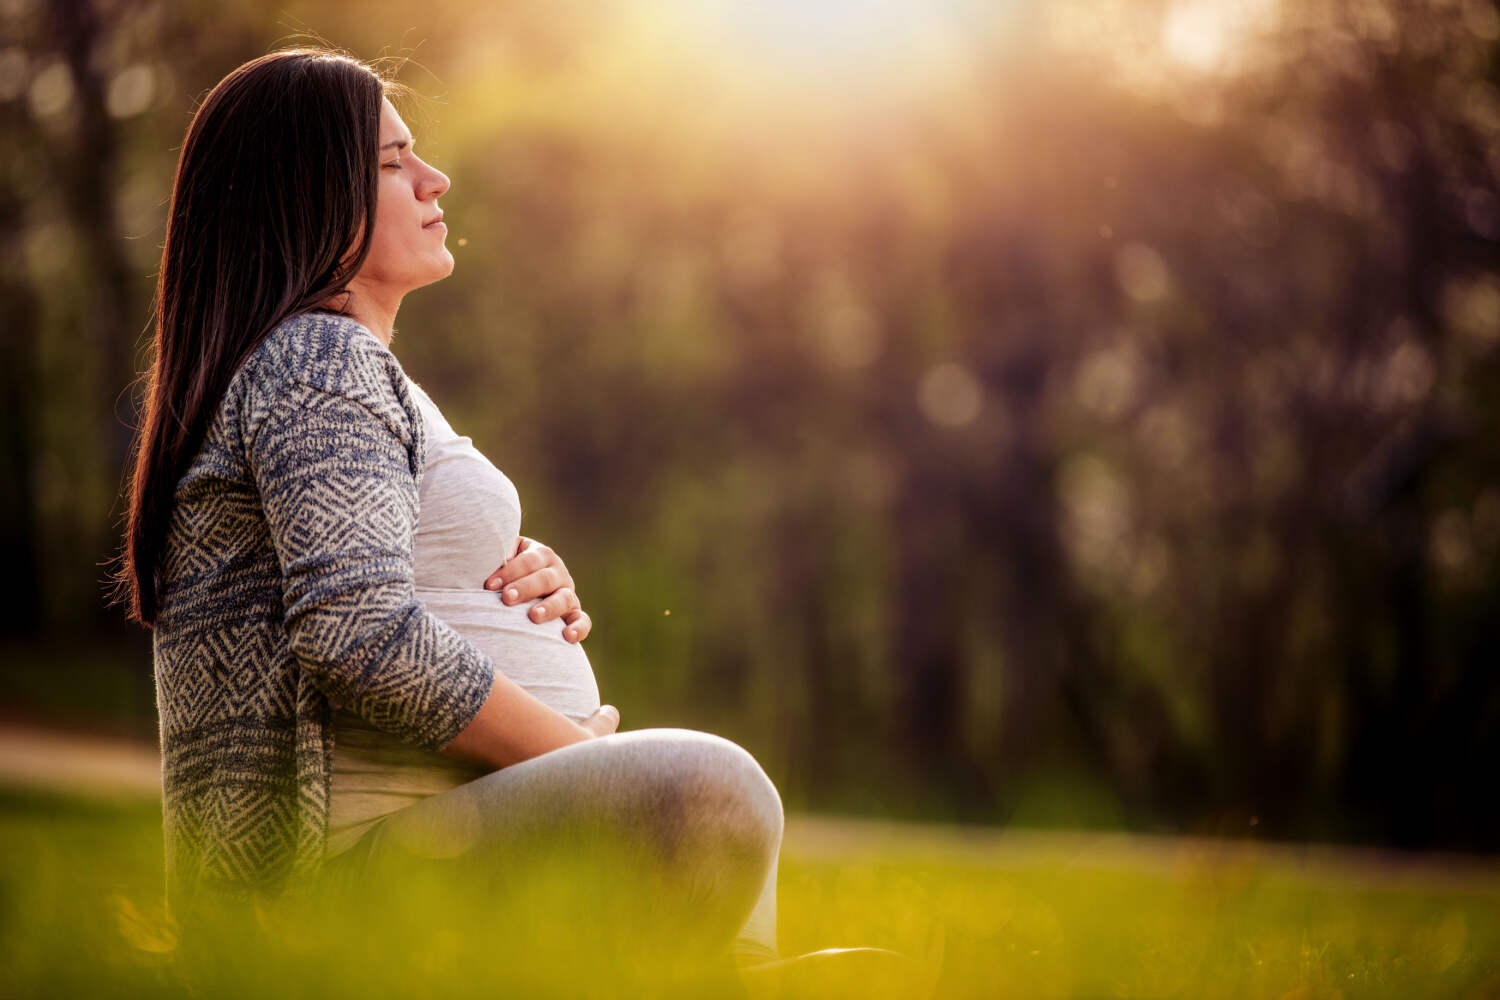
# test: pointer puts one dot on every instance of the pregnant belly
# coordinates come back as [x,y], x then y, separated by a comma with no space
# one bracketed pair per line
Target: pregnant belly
[537,657]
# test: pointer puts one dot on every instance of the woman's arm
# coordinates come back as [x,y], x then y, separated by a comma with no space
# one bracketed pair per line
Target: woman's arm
[330,443]
[513,726]
[338,493]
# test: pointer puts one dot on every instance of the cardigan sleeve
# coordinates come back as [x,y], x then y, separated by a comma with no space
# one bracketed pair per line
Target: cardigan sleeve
[331,456]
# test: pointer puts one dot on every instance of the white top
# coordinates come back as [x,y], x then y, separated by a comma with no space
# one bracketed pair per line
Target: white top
[469,522]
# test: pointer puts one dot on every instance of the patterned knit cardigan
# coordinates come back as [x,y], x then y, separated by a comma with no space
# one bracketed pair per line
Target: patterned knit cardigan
[287,588]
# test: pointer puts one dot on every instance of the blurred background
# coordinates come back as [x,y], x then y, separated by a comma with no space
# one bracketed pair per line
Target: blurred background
[1071,413]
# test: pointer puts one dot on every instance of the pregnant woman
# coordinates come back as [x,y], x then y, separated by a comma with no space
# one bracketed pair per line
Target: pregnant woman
[343,675]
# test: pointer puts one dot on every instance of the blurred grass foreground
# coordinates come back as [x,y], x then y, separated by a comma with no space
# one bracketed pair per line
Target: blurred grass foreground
[992,914]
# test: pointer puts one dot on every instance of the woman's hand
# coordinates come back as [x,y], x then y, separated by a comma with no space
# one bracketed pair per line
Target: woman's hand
[535,571]
[603,722]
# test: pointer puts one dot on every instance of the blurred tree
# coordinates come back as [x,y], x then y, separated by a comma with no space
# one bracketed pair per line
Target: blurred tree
[19,517]
[1105,403]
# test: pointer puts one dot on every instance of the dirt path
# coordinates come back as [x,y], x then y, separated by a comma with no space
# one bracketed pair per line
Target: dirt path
[35,757]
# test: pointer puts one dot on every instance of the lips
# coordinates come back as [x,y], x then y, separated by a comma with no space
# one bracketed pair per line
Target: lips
[434,222]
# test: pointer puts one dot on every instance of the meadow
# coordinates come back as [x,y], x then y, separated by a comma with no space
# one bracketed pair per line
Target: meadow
[989,913]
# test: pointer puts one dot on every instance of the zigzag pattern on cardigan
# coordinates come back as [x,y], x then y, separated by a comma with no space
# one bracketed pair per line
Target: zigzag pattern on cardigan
[286,587]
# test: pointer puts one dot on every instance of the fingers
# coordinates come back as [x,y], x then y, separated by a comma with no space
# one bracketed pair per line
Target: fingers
[558,604]
[543,583]
[536,573]
[602,722]
[577,625]
[529,559]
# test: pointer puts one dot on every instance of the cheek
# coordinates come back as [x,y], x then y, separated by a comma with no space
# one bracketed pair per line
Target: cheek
[386,249]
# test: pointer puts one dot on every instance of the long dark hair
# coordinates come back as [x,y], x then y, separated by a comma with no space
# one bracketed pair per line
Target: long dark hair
[271,213]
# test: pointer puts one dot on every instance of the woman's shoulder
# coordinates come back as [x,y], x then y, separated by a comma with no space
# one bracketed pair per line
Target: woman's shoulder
[323,350]
[315,354]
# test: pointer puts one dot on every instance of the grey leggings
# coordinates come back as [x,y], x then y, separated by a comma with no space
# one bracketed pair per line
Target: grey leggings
[688,817]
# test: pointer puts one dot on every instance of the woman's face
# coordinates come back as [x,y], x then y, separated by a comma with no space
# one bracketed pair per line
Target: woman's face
[407,248]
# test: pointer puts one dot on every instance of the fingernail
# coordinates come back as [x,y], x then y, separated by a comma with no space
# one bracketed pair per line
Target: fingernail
[492,585]
[571,633]
[539,613]
[512,594]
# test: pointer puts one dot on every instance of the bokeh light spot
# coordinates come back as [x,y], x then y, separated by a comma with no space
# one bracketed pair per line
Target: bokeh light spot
[949,395]
[1141,272]
[1097,514]
[1108,381]
[1408,376]
[850,336]
[131,91]
[1472,308]
[52,90]
[843,326]
[1451,541]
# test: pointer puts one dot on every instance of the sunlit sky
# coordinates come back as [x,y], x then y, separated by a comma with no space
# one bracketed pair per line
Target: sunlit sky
[801,52]
[1163,43]
[1207,34]
[835,29]
[838,42]
[793,71]
[880,36]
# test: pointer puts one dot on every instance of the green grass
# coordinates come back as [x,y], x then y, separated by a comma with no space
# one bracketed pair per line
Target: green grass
[997,914]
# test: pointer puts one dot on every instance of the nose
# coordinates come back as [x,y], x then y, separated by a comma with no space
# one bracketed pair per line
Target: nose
[434,183]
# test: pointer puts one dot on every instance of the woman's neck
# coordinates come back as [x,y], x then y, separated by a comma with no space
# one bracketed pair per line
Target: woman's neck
[373,308]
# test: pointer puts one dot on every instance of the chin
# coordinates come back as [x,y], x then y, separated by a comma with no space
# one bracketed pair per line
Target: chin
[441,268]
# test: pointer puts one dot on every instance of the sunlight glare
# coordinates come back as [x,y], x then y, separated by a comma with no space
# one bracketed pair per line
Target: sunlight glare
[1205,34]
[840,35]
[1196,34]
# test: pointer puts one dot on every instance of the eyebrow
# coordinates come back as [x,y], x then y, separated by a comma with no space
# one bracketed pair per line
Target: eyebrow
[398,144]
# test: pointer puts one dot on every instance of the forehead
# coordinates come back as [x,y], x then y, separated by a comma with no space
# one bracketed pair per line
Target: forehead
[391,125]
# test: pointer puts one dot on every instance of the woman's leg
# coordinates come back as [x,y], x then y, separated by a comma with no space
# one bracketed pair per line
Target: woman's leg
[756,941]
[678,829]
